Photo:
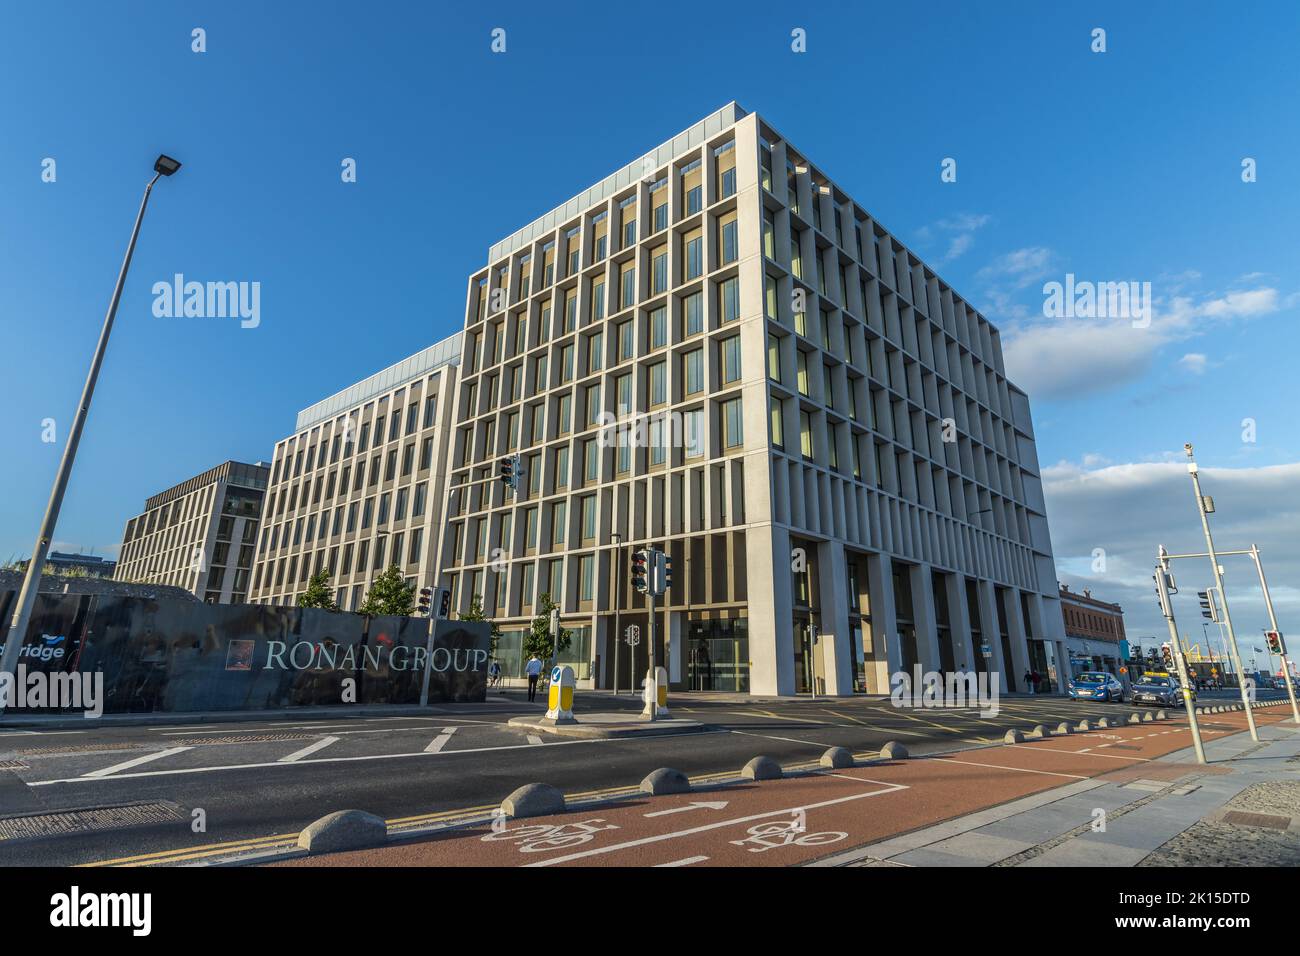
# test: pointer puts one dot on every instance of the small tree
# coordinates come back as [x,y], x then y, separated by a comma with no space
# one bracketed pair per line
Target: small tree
[475,613]
[389,594]
[318,593]
[538,639]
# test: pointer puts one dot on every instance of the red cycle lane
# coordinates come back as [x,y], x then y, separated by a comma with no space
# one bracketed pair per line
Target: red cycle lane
[799,818]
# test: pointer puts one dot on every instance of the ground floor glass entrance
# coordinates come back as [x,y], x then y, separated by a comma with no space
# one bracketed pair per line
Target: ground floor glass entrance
[717,655]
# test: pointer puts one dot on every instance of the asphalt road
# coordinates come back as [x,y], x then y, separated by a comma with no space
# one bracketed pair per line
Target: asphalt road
[246,780]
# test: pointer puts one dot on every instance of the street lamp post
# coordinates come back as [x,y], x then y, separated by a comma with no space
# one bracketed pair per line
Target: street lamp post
[163,166]
[1223,596]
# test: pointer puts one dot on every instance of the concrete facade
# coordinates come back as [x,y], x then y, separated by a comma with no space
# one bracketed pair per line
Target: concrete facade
[718,352]
[199,535]
[1094,629]
[359,485]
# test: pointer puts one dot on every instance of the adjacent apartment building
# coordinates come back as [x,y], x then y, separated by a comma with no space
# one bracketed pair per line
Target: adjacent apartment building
[359,485]
[717,351]
[199,535]
[1094,631]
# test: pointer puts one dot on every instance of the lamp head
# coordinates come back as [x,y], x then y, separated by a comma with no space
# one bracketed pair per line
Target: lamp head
[165,165]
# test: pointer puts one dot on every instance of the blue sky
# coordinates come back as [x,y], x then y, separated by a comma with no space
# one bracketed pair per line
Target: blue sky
[1115,166]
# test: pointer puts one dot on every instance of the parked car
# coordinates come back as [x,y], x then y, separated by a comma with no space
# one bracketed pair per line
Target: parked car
[1159,690]
[1096,685]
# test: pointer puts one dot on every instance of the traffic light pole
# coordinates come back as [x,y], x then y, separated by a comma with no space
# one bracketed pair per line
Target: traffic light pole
[1223,596]
[1272,623]
[652,676]
[1167,608]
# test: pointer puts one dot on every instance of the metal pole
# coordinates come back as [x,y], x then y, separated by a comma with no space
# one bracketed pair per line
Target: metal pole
[1167,608]
[652,678]
[1223,595]
[618,584]
[1272,621]
[32,577]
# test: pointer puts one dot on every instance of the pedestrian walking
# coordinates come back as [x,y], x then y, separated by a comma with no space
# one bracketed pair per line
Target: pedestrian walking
[1029,681]
[494,672]
[534,671]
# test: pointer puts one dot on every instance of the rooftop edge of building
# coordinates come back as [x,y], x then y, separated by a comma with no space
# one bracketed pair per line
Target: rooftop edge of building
[239,472]
[445,352]
[665,152]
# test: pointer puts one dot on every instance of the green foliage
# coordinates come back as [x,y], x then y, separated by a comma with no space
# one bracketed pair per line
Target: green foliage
[389,594]
[538,639]
[475,613]
[318,593]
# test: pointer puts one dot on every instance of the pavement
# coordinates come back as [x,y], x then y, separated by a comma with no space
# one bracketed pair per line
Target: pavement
[1109,797]
[102,793]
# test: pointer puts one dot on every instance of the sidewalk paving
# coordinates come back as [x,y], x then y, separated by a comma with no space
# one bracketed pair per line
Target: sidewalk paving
[1243,809]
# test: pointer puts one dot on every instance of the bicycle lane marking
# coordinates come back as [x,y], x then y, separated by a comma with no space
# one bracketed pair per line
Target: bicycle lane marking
[792,812]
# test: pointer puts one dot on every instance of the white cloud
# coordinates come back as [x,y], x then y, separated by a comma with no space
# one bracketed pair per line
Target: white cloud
[1069,357]
[961,230]
[1129,509]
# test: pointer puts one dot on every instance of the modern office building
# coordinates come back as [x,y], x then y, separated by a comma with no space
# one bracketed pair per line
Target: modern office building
[199,535]
[1094,631]
[359,485]
[812,423]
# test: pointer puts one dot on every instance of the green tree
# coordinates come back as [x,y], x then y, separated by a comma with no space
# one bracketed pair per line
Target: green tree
[538,639]
[318,593]
[389,594]
[475,613]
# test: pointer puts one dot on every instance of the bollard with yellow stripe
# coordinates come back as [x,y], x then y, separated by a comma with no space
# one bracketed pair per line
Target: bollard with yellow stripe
[661,684]
[559,699]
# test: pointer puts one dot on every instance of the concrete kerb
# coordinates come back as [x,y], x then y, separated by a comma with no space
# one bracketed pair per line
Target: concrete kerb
[533,800]
[837,758]
[1013,736]
[1148,717]
[343,830]
[893,750]
[665,780]
[1040,730]
[762,767]
[1064,728]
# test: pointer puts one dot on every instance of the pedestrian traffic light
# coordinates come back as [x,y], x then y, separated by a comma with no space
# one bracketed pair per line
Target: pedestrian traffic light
[1167,656]
[1209,607]
[1275,645]
[640,570]
[426,600]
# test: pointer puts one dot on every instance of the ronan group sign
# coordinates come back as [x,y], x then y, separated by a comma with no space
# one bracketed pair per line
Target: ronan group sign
[162,655]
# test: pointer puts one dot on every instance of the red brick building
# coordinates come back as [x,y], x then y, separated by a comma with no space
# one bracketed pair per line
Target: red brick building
[1093,631]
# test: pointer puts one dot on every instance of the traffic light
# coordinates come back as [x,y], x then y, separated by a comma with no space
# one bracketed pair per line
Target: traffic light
[508,475]
[1167,656]
[1164,587]
[426,600]
[666,573]
[1209,608]
[640,570]
[444,603]
[1275,645]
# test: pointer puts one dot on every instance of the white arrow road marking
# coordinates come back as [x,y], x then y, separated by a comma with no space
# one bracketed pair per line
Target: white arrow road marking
[534,740]
[127,765]
[686,862]
[440,741]
[706,805]
[309,749]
